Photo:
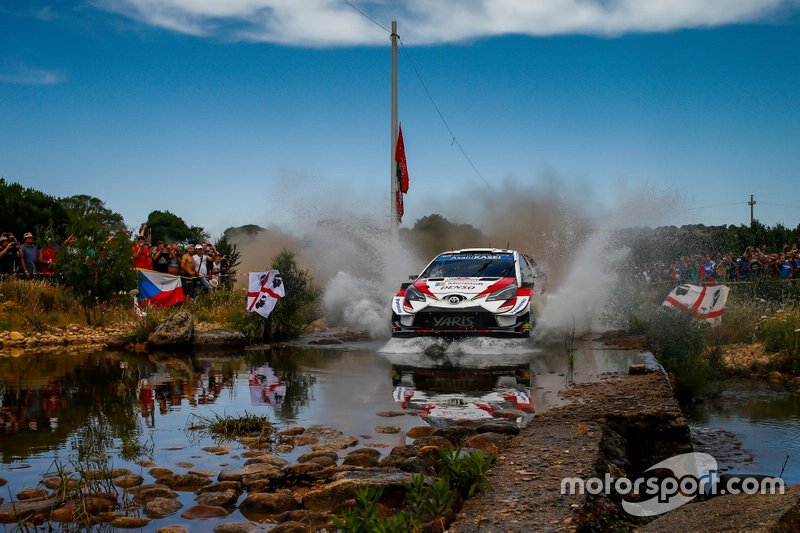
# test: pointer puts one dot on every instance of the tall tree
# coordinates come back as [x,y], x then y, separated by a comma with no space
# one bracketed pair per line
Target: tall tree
[166,226]
[232,258]
[24,209]
[90,214]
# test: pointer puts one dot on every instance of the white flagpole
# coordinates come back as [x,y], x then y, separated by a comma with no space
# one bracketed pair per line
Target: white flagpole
[393,166]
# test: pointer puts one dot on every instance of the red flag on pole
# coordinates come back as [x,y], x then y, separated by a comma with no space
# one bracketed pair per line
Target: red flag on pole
[402,168]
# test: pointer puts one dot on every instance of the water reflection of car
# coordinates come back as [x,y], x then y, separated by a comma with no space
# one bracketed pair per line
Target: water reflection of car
[476,291]
[444,395]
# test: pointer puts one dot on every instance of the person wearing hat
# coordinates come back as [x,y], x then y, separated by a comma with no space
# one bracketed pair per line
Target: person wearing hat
[10,255]
[5,246]
[30,256]
[201,267]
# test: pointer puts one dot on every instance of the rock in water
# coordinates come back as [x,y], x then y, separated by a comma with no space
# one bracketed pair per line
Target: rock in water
[218,337]
[175,331]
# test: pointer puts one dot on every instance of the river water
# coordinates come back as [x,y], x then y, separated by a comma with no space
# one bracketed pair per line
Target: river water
[59,407]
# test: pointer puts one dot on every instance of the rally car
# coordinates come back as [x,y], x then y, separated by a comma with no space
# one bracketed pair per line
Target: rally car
[475,291]
[443,395]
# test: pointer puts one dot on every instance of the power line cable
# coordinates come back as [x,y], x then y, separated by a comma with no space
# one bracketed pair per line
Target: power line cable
[711,206]
[430,96]
[378,24]
[441,117]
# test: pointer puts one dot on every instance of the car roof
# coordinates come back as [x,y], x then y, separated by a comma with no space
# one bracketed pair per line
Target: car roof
[480,250]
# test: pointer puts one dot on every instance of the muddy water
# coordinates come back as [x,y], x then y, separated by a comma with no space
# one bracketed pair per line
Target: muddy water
[750,427]
[58,409]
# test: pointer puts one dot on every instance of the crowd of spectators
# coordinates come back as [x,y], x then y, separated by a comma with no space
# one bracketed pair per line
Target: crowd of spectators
[26,258]
[752,264]
[201,267]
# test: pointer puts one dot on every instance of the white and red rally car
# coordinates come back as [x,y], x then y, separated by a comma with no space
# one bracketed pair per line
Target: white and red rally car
[475,291]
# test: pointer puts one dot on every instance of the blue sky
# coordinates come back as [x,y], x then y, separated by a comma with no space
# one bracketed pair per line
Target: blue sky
[264,111]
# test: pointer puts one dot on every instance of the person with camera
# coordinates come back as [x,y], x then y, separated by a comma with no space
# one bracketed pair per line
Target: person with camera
[160,257]
[10,255]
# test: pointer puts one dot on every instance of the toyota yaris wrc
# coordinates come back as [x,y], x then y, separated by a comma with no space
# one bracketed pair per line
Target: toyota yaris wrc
[476,291]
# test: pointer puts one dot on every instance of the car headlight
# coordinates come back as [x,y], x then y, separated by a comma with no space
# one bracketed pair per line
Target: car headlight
[506,293]
[413,294]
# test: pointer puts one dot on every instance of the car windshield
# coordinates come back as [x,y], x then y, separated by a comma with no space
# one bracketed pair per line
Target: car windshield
[471,266]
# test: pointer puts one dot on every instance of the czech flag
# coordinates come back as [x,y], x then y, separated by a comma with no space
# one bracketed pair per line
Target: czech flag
[159,290]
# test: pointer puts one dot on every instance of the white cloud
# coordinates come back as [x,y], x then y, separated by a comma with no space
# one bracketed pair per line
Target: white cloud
[334,23]
[24,75]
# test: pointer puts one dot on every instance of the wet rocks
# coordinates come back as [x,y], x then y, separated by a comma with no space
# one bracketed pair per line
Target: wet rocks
[455,434]
[387,429]
[160,471]
[419,432]
[238,474]
[328,497]
[31,493]
[236,527]
[129,522]
[363,457]
[270,503]
[290,432]
[16,510]
[214,338]
[226,498]
[184,482]
[488,442]
[267,459]
[498,426]
[175,331]
[161,507]
[146,493]
[204,512]
[127,481]
[309,457]
[217,450]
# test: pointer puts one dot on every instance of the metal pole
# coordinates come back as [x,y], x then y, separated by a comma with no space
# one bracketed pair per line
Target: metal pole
[751,203]
[393,166]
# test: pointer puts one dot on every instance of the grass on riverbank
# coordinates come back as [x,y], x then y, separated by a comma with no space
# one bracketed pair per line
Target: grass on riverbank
[692,351]
[38,306]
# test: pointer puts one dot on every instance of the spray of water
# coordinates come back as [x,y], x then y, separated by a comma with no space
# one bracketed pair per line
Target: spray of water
[360,266]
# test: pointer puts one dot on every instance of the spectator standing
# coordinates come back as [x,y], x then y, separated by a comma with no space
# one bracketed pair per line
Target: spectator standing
[47,258]
[216,268]
[160,258]
[201,266]
[11,260]
[30,256]
[141,254]
[174,265]
[188,271]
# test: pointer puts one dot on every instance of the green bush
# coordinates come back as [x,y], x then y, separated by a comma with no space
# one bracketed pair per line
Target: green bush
[782,334]
[678,342]
[291,314]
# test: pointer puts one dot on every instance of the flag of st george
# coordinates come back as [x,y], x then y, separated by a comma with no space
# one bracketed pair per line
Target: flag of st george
[704,303]
[159,290]
[264,291]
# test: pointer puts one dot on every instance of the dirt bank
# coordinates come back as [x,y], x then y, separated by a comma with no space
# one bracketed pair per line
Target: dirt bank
[610,426]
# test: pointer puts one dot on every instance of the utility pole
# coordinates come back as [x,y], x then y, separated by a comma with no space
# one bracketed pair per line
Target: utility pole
[393,165]
[751,203]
